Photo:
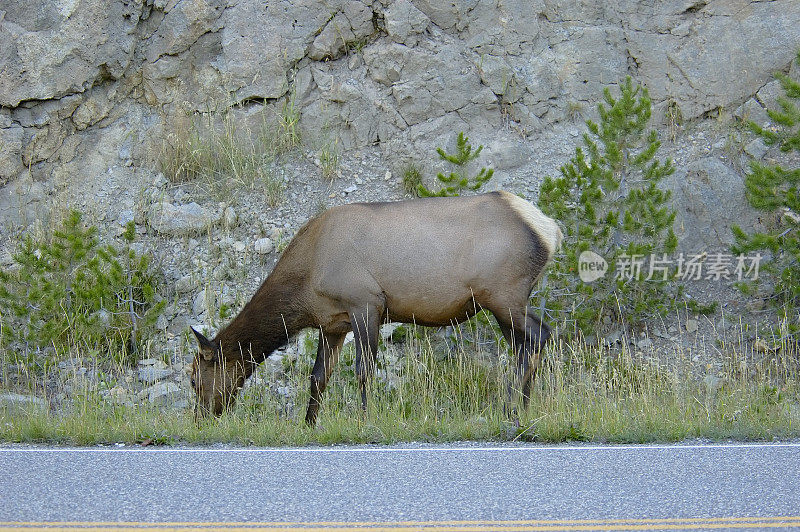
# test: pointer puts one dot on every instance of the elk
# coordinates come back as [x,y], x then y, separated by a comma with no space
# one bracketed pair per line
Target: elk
[430,261]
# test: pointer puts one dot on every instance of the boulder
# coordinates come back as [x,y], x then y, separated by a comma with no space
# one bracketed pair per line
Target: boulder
[95,108]
[184,22]
[425,85]
[768,95]
[498,75]
[756,148]
[165,394]
[120,396]
[180,220]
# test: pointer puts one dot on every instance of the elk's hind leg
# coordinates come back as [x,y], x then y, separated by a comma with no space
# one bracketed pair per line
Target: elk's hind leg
[327,355]
[536,335]
[527,335]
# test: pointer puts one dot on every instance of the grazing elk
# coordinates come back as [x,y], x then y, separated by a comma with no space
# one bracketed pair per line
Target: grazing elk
[432,261]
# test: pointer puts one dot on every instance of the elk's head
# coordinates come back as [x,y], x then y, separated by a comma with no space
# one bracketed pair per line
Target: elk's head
[215,378]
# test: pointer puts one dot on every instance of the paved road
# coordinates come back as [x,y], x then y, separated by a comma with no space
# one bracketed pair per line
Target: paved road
[464,487]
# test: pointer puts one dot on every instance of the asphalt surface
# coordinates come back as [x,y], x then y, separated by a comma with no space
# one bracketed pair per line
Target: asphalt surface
[480,486]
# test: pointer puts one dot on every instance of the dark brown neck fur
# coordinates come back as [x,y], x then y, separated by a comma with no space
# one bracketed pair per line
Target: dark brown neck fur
[274,314]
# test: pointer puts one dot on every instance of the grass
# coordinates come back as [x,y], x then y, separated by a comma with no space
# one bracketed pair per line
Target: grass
[288,134]
[441,391]
[217,152]
[329,159]
[574,110]
[412,179]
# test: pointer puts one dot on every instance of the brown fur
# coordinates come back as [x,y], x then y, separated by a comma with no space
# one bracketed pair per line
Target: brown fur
[432,261]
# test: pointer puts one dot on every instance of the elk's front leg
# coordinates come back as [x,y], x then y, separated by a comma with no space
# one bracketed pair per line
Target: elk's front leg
[327,355]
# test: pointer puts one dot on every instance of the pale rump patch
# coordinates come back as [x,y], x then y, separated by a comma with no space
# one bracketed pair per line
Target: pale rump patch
[544,226]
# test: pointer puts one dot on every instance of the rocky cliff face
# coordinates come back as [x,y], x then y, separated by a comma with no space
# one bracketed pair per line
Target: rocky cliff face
[88,88]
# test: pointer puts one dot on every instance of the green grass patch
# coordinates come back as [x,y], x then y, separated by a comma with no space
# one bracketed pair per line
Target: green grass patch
[441,394]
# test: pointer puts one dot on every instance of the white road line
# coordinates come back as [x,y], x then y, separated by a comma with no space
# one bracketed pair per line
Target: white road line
[378,449]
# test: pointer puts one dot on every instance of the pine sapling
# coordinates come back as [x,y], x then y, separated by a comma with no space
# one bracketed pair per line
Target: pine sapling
[608,201]
[774,189]
[458,180]
[72,290]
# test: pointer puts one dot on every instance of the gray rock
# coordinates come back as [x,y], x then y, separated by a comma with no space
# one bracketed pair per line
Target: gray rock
[709,197]
[359,14]
[10,153]
[152,362]
[151,374]
[332,40]
[24,200]
[185,284]
[229,217]
[262,246]
[204,301]
[768,95]
[262,42]
[159,181]
[614,338]
[644,343]
[713,383]
[95,108]
[756,148]
[184,23]
[753,111]
[71,364]
[125,217]
[6,258]
[505,153]
[162,322]
[387,329]
[498,74]
[346,27]
[120,396]
[165,394]
[404,22]
[434,83]
[102,318]
[711,65]
[273,366]
[64,48]
[180,220]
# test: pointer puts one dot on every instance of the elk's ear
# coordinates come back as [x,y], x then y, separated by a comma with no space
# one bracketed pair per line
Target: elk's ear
[207,348]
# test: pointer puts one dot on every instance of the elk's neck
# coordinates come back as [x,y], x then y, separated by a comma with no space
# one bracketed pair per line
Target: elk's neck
[274,314]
